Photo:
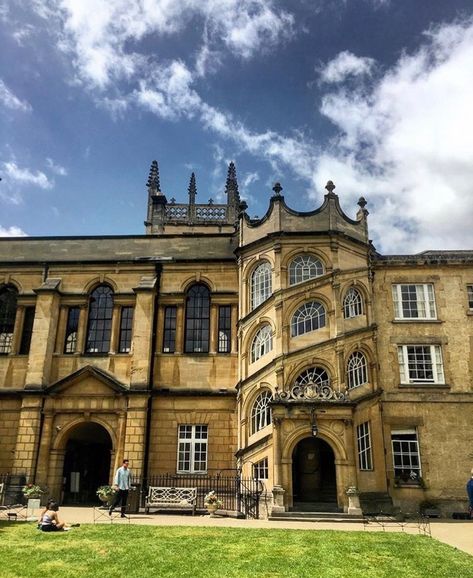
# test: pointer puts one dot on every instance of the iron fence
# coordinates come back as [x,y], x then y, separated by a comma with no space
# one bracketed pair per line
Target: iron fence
[237,494]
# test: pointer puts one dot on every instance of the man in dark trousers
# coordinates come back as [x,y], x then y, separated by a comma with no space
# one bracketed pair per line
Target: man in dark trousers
[121,483]
[469,491]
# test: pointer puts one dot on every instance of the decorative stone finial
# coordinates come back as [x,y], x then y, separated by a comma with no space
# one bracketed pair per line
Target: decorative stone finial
[153,178]
[362,202]
[192,189]
[211,201]
[330,186]
[232,184]
[277,189]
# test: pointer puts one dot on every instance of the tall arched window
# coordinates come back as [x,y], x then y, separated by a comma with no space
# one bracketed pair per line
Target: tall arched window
[197,319]
[261,412]
[304,267]
[357,370]
[315,375]
[262,343]
[309,317]
[352,304]
[261,286]
[8,304]
[99,327]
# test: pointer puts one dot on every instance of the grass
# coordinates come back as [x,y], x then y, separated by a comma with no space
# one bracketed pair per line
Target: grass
[140,551]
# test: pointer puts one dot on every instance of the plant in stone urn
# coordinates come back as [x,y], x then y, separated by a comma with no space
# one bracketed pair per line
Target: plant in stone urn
[106,494]
[32,491]
[212,503]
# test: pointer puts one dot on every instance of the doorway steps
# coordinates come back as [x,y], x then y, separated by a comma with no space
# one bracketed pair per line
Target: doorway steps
[324,517]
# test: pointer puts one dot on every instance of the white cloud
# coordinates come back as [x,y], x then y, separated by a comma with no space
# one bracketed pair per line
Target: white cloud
[249,179]
[55,168]
[106,48]
[15,175]
[10,100]
[12,232]
[344,65]
[407,145]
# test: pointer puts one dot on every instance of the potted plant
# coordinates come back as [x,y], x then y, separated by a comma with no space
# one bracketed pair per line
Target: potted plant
[32,492]
[212,503]
[106,494]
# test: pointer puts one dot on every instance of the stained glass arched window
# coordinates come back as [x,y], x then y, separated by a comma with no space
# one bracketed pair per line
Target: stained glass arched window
[99,328]
[304,267]
[309,317]
[262,343]
[261,412]
[261,285]
[8,305]
[197,319]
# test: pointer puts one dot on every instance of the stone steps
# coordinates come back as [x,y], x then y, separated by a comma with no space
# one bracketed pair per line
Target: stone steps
[336,517]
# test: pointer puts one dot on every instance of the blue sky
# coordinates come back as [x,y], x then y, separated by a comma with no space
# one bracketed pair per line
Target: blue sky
[374,95]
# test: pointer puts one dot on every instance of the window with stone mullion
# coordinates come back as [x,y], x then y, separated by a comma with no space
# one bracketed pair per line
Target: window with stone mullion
[100,320]
[8,306]
[261,285]
[197,320]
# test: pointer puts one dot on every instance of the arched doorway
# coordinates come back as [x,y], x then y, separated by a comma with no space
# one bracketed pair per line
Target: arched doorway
[86,463]
[314,480]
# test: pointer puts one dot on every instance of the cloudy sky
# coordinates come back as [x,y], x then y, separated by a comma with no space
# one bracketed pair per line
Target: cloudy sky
[375,95]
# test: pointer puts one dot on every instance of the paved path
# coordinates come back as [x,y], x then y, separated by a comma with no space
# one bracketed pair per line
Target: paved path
[457,533]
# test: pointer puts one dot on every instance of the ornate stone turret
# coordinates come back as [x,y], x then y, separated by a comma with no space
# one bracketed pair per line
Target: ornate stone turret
[156,202]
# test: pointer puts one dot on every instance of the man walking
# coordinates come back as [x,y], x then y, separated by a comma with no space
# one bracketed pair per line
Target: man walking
[121,483]
[469,491]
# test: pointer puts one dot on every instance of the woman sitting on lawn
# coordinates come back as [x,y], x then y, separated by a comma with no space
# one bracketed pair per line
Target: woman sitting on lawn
[49,521]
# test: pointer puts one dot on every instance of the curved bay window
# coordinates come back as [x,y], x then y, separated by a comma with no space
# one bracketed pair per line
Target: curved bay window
[261,412]
[197,319]
[262,343]
[304,267]
[99,327]
[309,317]
[357,370]
[261,284]
[8,305]
[352,304]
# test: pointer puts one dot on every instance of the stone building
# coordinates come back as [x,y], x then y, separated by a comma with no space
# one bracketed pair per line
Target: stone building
[285,347]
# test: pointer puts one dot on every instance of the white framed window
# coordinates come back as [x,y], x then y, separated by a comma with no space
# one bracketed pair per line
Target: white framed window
[314,375]
[365,456]
[262,343]
[192,449]
[421,364]
[469,289]
[261,284]
[261,470]
[357,370]
[352,304]
[406,457]
[413,301]
[309,317]
[261,412]
[304,267]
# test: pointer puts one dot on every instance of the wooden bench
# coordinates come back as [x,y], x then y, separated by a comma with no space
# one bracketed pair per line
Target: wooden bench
[171,499]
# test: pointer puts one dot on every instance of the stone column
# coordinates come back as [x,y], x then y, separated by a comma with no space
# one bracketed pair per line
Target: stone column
[115,332]
[44,334]
[278,490]
[234,330]
[61,329]
[213,329]
[142,333]
[180,328]
[20,315]
[82,330]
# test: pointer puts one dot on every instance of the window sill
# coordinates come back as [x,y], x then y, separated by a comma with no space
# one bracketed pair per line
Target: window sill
[424,386]
[411,485]
[416,320]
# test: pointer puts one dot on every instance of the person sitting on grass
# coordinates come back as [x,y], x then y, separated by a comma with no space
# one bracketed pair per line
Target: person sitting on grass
[49,521]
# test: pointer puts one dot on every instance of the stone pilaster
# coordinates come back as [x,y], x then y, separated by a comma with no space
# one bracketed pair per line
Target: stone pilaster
[142,333]
[28,436]
[44,334]
[134,445]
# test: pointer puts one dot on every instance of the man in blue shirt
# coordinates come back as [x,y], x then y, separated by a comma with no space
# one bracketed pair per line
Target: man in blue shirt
[121,483]
[469,491]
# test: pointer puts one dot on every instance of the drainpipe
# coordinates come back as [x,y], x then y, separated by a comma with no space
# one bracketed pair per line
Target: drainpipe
[154,337]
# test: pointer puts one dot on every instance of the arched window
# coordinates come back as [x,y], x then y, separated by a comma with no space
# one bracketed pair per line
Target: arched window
[357,370]
[303,268]
[197,319]
[262,343]
[261,412]
[352,304]
[8,303]
[309,317]
[315,375]
[99,327]
[261,286]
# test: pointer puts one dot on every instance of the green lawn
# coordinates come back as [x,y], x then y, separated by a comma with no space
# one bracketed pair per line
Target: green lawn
[142,551]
